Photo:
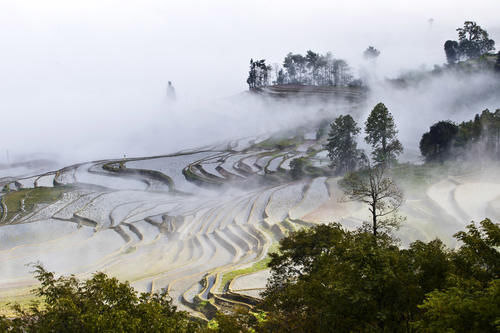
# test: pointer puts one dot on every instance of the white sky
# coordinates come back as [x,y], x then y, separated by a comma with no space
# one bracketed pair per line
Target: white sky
[84,76]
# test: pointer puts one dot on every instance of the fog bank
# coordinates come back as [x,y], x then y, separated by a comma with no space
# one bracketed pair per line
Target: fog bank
[87,79]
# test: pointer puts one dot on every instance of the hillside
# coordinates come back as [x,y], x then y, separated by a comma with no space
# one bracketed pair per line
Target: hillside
[201,222]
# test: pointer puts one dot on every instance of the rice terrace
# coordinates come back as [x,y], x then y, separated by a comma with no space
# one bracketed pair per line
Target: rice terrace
[348,191]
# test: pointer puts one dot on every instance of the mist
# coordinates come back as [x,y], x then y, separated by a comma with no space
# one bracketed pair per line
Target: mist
[87,80]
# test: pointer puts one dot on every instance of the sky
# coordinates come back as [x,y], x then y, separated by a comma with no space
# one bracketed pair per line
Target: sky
[84,80]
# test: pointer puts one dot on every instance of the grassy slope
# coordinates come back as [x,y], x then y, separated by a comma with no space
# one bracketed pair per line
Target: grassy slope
[31,197]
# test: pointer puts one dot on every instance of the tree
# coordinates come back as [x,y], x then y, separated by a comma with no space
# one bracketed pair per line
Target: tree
[495,131]
[478,258]
[258,76]
[100,304]
[314,69]
[497,63]
[474,41]
[326,62]
[341,73]
[322,128]
[328,279]
[462,309]
[312,60]
[476,138]
[436,144]
[297,166]
[290,67]
[452,51]
[379,192]
[281,77]
[472,302]
[341,144]
[252,75]
[300,65]
[381,134]
[371,53]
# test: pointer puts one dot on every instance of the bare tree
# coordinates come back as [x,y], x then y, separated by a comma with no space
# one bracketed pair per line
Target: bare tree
[379,192]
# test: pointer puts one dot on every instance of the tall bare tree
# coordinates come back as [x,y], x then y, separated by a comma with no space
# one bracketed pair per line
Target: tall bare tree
[379,192]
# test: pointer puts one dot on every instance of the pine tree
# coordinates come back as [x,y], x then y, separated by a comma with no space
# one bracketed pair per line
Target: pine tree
[342,146]
[381,135]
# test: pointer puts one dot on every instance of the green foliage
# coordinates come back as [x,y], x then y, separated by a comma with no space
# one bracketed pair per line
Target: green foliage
[278,142]
[258,266]
[465,308]
[342,146]
[474,41]
[478,258]
[477,137]
[24,200]
[297,166]
[239,321]
[452,51]
[99,304]
[381,135]
[323,279]
[328,279]
[322,129]
[472,301]
[435,145]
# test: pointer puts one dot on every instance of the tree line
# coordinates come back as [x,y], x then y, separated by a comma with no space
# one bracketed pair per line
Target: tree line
[473,42]
[310,69]
[479,137]
[323,279]
[329,279]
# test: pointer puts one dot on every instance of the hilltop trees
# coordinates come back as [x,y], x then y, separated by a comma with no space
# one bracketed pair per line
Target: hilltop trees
[258,76]
[342,145]
[371,53]
[452,51]
[381,135]
[435,145]
[473,42]
[309,69]
[316,69]
[341,73]
[446,140]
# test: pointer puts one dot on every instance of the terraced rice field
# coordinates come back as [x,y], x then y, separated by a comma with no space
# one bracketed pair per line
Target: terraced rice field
[199,223]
